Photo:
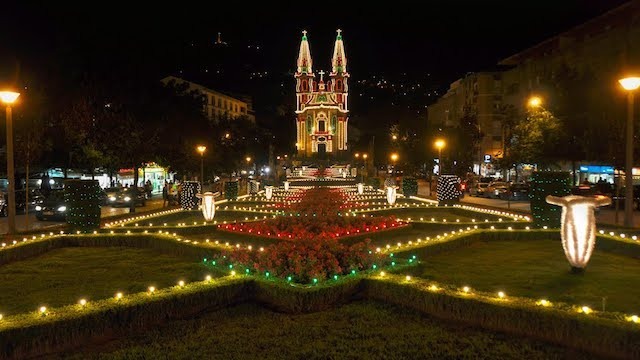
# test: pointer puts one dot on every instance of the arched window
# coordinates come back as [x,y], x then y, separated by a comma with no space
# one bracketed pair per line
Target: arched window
[321,126]
[338,85]
[304,85]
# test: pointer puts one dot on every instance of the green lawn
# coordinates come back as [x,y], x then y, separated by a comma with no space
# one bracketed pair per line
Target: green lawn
[364,330]
[63,276]
[538,269]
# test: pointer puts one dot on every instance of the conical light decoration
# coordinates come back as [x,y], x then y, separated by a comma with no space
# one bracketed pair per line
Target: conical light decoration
[268,192]
[360,188]
[578,227]
[391,194]
[286,186]
[208,205]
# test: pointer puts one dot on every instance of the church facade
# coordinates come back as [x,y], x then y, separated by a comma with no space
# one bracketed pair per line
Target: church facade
[322,112]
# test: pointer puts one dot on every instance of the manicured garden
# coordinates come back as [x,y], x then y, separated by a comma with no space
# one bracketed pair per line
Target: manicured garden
[64,276]
[360,330]
[326,256]
[538,269]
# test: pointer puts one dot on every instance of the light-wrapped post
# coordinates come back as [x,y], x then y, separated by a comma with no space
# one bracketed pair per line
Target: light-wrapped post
[578,227]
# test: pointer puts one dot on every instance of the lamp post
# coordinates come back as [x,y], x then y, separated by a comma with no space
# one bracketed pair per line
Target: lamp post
[439,144]
[8,98]
[534,102]
[366,169]
[630,84]
[201,149]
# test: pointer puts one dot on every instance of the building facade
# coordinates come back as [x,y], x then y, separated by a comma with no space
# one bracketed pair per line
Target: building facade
[321,108]
[478,95]
[581,65]
[217,105]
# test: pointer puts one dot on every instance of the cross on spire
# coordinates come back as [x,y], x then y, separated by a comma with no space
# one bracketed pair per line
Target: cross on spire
[339,31]
[304,32]
[321,73]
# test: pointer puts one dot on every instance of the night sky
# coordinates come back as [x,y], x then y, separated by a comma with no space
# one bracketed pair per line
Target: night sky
[447,38]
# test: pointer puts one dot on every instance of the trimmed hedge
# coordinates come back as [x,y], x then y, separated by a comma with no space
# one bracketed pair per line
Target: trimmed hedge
[82,199]
[30,334]
[544,183]
[409,186]
[600,336]
[374,182]
[231,190]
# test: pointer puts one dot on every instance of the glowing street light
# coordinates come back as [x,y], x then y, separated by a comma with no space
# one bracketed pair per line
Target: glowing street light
[357,155]
[8,98]
[248,158]
[439,144]
[394,157]
[394,137]
[630,84]
[227,135]
[534,102]
[201,149]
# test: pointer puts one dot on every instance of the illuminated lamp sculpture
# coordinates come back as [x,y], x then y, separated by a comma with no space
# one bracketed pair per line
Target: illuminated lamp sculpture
[360,188]
[391,194]
[578,227]
[268,192]
[208,205]
[286,186]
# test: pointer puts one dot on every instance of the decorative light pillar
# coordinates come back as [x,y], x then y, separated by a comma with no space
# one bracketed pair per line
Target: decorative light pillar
[391,194]
[286,186]
[578,227]
[268,192]
[360,188]
[208,205]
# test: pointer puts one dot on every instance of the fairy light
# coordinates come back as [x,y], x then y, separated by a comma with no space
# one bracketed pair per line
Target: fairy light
[544,302]
[181,283]
[152,289]
[43,310]
[586,310]
[82,302]
[208,278]
[118,296]
[501,294]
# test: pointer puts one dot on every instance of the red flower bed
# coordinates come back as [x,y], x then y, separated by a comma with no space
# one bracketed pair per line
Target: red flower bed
[306,260]
[310,227]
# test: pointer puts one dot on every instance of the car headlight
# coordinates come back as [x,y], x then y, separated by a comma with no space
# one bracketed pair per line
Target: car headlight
[112,198]
[126,198]
[62,208]
[38,208]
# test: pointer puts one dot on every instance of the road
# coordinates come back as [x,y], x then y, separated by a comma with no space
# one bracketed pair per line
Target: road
[107,211]
[604,216]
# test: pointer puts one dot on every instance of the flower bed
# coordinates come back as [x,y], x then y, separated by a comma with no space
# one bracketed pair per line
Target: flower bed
[305,261]
[318,227]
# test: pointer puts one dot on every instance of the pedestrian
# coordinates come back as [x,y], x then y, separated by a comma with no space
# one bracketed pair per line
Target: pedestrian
[165,194]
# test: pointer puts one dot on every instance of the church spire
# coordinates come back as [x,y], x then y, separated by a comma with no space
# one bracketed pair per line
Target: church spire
[339,60]
[304,56]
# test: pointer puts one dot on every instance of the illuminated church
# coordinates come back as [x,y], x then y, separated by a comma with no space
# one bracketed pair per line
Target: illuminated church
[321,108]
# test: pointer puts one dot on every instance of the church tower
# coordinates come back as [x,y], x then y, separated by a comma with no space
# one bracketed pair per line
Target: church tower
[321,108]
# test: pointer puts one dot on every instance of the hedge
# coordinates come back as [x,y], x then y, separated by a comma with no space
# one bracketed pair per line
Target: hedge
[605,337]
[544,183]
[374,182]
[30,334]
[82,199]
[231,190]
[409,186]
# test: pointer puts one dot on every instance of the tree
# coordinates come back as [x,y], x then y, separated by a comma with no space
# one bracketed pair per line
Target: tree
[535,138]
[467,142]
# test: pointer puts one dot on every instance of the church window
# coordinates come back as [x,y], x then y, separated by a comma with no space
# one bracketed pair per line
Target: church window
[338,85]
[304,85]
[321,126]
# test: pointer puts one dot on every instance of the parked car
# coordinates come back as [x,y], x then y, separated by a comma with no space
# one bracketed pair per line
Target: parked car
[516,192]
[20,202]
[621,198]
[124,197]
[52,207]
[495,189]
[478,189]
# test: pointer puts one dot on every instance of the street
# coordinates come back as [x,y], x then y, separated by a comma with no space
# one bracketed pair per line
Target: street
[604,216]
[107,211]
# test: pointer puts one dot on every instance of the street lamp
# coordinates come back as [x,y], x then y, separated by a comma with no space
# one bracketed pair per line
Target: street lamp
[201,149]
[630,84]
[439,144]
[8,98]
[394,137]
[534,102]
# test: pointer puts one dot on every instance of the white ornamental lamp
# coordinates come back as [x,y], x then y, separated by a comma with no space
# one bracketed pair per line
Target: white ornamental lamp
[578,227]
[391,194]
[208,205]
[268,192]
[286,186]
[360,188]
